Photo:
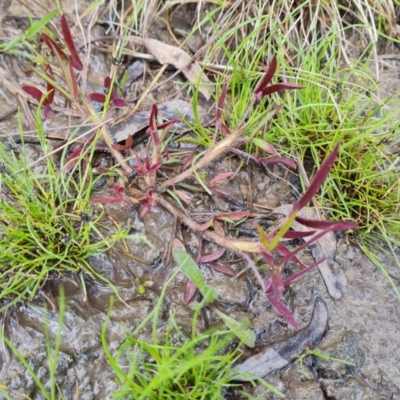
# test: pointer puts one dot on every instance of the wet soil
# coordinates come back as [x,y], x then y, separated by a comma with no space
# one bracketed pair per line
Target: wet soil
[363,324]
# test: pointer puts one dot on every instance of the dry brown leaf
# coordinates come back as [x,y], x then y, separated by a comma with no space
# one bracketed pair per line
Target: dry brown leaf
[167,54]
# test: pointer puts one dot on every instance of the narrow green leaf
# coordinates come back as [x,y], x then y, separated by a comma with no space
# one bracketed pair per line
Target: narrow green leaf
[33,30]
[38,26]
[192,271]
[247,336]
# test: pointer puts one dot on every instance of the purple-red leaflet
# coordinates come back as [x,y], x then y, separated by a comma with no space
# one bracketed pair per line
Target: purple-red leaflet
[264,145]
[50,88]
[153,117]
[267,257]
[75,154]
[166,155]
[266,79]
[276,283]
[119,102]
[339,226]
[47,111]
[320,224]
[54,47]
[284,251]
[152,129]
[147,201]
[107,82]
[73,81]
[76,61]
[99,97]
[283,311]
[317,180]
[34,92]
[280,87]
[222,268]
[221,101]
[224,129]
[167,124]
[221,177]
[299,274]
[37,95]
[281,160]
[212,257]
[189,292]
[297,234]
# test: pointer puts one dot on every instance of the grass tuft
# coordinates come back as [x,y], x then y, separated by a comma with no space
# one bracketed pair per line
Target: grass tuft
[48,226]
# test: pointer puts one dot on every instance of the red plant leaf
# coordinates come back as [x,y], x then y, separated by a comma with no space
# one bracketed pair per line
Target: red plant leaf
[264,145]
[284,251]
[221,101]
[50,88]
[323,224]
[283,310]
[47,111]
[166,155]
[54,47]
[69,161]
[147,201]
[221,177]
[189,292]
[339,226]
[100,98]
[118,190]
[119,103]
[126,146]
[74,82]
[34,92]
[153,117]
[299,274]
[155,167]
[222,268]
[317,180]
[297,234]
[266,79]
[224,129]
[69,41]
[212,257]
[167,124]
[267,257]
[107,82]
[281,160]
[280,87]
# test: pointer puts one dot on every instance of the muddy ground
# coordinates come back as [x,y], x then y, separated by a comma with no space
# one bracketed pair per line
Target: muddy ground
[363,324]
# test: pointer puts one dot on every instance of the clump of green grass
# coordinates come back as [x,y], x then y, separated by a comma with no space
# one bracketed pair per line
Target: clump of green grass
[338,104]
[175,365]
[47,226]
